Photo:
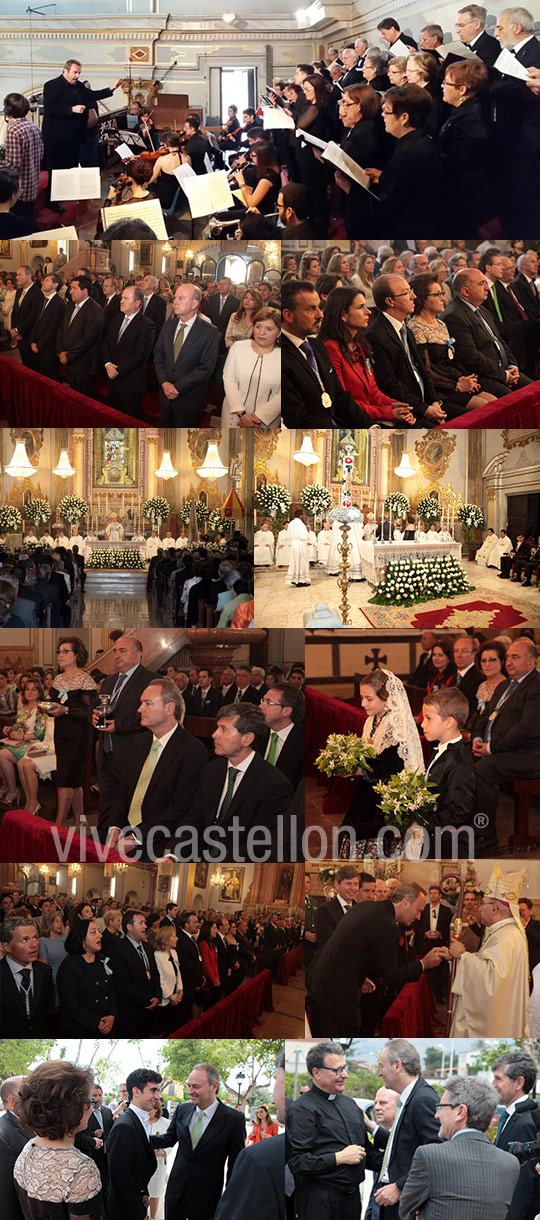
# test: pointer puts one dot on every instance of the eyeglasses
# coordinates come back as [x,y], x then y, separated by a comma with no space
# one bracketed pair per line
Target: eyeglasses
[271,703]
[408,293]
[444,1105]
[340,1071]
[438,293]
[348,105]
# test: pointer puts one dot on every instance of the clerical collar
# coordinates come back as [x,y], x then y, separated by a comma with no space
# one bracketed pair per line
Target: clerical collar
[321,1093]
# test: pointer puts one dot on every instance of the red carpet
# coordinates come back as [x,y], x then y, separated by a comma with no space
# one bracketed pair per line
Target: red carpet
[486,614]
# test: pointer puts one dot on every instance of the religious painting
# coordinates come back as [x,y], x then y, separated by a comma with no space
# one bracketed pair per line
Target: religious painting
[201,876]
[163,884]
[284,883]
[434,454]
[146,252]
[233,884]
[114,458]
[5,249]
[341,437]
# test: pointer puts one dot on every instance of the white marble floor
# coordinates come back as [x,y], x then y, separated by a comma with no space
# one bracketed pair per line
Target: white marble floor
[131,610]
[283,606]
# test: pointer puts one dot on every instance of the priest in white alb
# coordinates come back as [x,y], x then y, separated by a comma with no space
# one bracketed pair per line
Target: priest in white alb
[483,553]
[503,546]
[324,538]
[298,570]
[152,545]
[263,547]
[283,547]
[491,987]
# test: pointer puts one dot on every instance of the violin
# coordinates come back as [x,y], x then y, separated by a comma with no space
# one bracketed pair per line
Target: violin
[152,155]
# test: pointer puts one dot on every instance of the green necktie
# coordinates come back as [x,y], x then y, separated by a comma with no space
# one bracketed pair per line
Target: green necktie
[233,772]
[178,340]
[502,1123]
[197,1129]
[389,1141]
[135,809]
[497,306]
[273,749]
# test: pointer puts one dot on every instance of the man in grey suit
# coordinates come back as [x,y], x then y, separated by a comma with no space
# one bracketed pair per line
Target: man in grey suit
[465,1177]
[185,357]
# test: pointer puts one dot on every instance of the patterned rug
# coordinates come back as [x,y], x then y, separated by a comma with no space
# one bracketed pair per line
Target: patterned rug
[461,612]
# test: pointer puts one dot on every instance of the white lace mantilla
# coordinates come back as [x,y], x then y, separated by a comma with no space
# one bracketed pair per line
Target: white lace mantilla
[396,727]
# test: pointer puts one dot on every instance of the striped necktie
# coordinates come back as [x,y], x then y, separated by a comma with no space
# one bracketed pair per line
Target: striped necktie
[231,777]
[178,341]
[135,809]
[25,985]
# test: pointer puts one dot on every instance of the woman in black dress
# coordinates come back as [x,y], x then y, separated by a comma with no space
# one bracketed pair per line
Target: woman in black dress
[85,986]
[366,141]
[75,693]
[465,144]
[53,1180]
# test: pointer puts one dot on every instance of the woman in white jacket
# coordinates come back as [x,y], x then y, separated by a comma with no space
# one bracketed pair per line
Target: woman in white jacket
[252,376]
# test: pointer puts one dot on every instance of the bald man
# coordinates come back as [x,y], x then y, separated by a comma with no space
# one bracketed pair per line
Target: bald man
[384,1113]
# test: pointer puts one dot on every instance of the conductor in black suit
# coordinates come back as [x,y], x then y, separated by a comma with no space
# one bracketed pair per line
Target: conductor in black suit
[136,978]
[185,357]
[480,348]
[506,737]
[27,304]
[160,777]
[12,1142]
[124,689]
[128,344]
[239,791]
[256,1183]
[209,1136]
[26,985]
[221,306]
[47,323]
[79,338]
[132,1160]
[65,117]
[284,744]
[399,368]
[312,394]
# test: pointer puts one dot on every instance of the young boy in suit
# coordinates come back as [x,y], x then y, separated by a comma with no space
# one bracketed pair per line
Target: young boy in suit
[445,714]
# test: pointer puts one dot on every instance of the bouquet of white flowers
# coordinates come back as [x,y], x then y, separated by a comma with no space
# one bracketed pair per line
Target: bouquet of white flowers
[156,510]
[429,510]
[397,504]
[72,509]
[37,511]
[406,798]
[406,582]
[343,754]
[315,499]
[116,559]
[10,519]
[472,519]
[273,500]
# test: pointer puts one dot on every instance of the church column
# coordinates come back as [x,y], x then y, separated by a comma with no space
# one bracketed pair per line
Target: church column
[153,463]
[78,462]
[472,492]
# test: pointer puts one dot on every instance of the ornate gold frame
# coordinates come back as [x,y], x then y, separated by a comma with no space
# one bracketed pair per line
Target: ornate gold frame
[434,454]
[98,454]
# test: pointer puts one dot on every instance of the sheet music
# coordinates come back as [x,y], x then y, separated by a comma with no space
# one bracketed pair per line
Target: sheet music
[511,66]
[69,233]
[183,172]
[276,120]
[208,193]
[400,48]
[342,161]
[148,210]
[71,185]
[134,139]
[124,152]
[312,139]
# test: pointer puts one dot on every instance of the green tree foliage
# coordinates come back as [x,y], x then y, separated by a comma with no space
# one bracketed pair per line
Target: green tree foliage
[255,1057]
[18,1057]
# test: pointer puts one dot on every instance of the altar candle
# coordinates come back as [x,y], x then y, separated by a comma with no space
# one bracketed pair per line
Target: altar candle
[390,526]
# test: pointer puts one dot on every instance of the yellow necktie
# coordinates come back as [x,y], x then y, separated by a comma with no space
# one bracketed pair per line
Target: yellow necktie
[135,809]
[178,341]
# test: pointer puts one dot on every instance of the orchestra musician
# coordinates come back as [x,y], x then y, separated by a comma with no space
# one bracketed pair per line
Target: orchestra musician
[230,134]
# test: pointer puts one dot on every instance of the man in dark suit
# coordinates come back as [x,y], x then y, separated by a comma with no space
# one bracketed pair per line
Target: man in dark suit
[400,370]
[154,306]
[503,309]
[515,31]
[347,884]
[66,105]
[468,676]
[228,689]
[514,1078]
[46,326]
[522,552]
[238,790]
[123,720]
[256,1183]
[480,348]
[132,1160]
[28,302]
[197,146]
[284,744]
[506,740]
[463,1176]
[532,932]
[245,692]
[433,928]
[470,29]
[26,984]
[415,1125]
[206,700]
[185,357]
[524,284]
[328,1149]
[209,1135]
[136,978]
[365,945]
[93,1140]
[353,74]
[159,779]
[128,344]
[191,967]
[221,307]
[422,674]
[390,32]
[312,394]
[111,304]
[12,1142]
[79,338]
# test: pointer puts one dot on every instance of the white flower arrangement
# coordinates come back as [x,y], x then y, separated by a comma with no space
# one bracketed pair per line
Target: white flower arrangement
[315,499]
[471,516]
[37,511]
[127,558]
[344,514]
[72,509]
[202,512]
[156,510]
[215,522]
[429,510]
[406,798]
[406,582]
[273,500]
[343,754]
[10,519]
[397,503]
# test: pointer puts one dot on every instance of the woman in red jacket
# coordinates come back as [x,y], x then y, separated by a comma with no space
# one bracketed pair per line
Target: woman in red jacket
[346,316]
[263,1127]
[206,944]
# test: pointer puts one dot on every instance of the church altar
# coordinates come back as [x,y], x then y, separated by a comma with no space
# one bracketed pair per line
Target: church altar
[376,556]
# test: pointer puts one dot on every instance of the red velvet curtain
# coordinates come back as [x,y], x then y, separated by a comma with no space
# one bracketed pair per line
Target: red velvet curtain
[28,400]
[236,1015]
[519,410]
[289,964]
[412,1015]
[23,836]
